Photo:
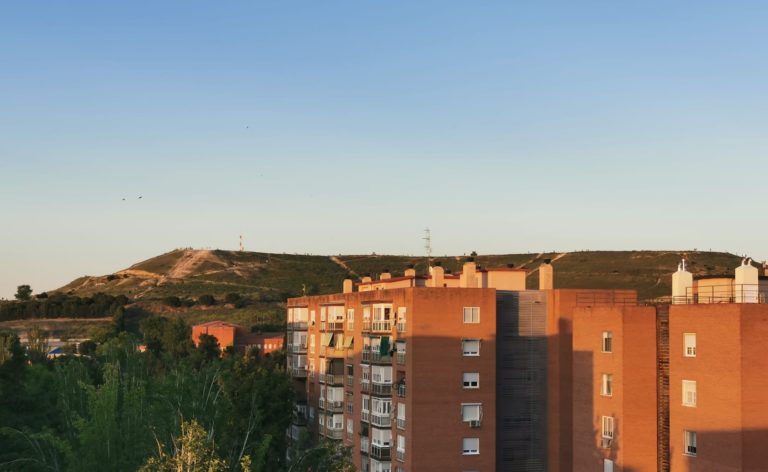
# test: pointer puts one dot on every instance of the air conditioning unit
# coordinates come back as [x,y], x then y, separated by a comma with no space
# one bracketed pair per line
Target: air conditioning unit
[606,443]
[474,424]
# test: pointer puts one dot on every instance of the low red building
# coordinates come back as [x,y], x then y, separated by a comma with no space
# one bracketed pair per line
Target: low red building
[230,334]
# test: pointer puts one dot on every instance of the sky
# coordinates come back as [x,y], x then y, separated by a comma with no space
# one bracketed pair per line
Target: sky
[349,127]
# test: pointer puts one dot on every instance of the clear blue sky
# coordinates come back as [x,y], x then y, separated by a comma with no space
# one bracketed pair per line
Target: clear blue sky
[348,127]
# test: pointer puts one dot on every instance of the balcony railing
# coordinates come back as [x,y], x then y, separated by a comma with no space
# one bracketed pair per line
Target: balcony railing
[297,326]
[380,358]
[332,379]
[311,375]
[334,433]
[401,423]
[731,293]
[350,381]
[383,420]
[334,406]
[299,372]
[366,325]
[365,416]
[381,389]
[383,326]
[321,403]
[335,326]
[401,326]
[401,390]
[329,351]
[400,455]
[401,358]
[297,348]
[365,386]
[382,453]
[366,355]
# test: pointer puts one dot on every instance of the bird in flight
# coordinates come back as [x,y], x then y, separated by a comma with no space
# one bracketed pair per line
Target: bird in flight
[140,197]
[123,199]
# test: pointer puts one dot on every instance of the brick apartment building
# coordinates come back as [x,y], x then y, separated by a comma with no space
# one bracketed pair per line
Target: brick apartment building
[465,372]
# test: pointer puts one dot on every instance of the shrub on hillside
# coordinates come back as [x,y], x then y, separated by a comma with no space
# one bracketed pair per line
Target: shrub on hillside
[206,300]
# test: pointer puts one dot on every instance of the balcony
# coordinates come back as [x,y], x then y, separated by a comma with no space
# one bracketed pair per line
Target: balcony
[297,348]
[365,416]
[400,455]
[367,356]
[379,358]
[335,326]
[334,406]
[365,386]
[380,452]
[333,352]
[350,381]
[299,372]
[382,326]
[332,379]
[365,444]
[401,358]
[381,419]
[401,390]
[401,423]
[381,389]
[366,326]
[401,326]
[297,326]
[333,433]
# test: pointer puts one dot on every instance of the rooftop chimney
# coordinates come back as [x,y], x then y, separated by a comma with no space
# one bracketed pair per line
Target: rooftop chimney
[546,276]
[385,275]
[682,285]
[746,282]
[347,286]
[366,279]
[410,271]
[468,279]
[765,268]
[437,279]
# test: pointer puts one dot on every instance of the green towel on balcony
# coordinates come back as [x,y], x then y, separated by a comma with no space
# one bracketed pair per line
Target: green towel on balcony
[384,346]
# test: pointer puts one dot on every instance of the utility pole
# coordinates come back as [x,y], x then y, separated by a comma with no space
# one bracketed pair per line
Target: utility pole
[428,246]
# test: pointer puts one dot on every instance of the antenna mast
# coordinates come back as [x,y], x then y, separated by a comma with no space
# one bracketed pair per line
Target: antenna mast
[242,248]
[428,246]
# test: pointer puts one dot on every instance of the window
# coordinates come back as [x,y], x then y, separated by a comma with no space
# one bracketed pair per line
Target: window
[350,426]
[351,319]
[471,314]
[471,347]
[689,440]
[689,342]
[312,317]
[471,411]
[606,389]
[471,380]
[471,446]
[607,341]
[400,443]
[689,392]
[608,427]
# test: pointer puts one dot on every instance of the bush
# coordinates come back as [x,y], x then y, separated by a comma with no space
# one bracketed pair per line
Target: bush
[172,301]
[206,300]
[232,298]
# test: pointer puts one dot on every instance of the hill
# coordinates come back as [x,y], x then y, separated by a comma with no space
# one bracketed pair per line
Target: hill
[270,278]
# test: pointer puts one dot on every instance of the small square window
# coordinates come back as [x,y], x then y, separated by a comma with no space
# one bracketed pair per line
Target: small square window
[689,438]
[471,380]
[471,446]
[689,393]
[471,314]
[471,412]
[471,347]
[606,389]
[607,341]
[689,344]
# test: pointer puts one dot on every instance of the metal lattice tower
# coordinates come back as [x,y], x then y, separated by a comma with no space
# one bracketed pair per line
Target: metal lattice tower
[242,247]
[428,246]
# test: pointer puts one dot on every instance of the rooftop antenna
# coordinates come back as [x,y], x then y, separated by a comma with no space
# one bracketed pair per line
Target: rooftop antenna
[242,248]
[428,246]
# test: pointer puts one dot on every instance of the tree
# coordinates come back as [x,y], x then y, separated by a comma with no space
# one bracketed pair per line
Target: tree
[172,301]
[206,300]
[23,293]
[192,452]
[208,347]
[87,348]
[232,298]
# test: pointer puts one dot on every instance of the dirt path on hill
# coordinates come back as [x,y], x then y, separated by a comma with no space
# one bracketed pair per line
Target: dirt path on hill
[189,262]
[344,266]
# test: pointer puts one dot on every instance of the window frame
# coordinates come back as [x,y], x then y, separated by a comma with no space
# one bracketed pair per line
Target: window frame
[686,348]
[467,384]
[470,451]
[474,315]
[607,336]
[467,406]
[687,435]
[686,390]
[467,353]
[606,385]
[607,433]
